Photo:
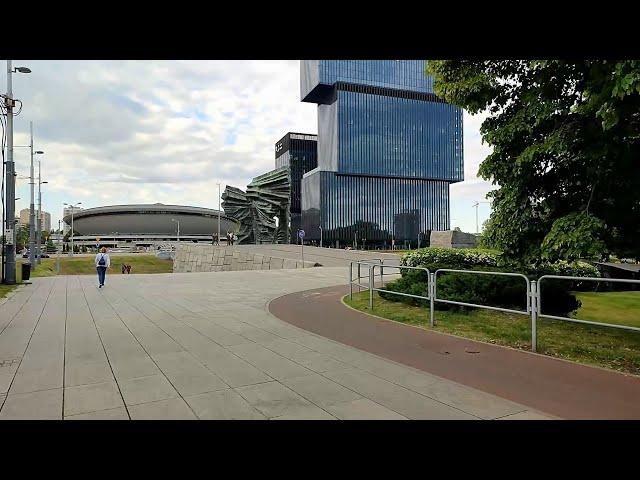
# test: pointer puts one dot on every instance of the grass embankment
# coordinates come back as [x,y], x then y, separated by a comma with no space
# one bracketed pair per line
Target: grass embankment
[600,346]
[86,265]
[5,289]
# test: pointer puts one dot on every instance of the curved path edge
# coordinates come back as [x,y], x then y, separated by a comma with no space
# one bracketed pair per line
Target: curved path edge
[557,387]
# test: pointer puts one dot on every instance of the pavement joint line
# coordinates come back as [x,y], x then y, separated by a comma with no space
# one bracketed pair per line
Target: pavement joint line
[27,347]
[514,413]
[145,350]
[64,348]
[84,293]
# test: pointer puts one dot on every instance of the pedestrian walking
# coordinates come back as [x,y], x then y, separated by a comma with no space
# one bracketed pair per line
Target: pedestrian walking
[102,263]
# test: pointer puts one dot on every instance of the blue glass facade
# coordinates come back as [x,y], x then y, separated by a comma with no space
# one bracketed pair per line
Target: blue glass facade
[299,153]
[388,149]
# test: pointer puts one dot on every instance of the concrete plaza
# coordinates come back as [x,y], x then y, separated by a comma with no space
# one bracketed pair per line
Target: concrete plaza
[203,346]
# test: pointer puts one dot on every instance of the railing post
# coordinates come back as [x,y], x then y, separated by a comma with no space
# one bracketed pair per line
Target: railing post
[534,315]
[351,281]
[381,273]
[358,276]
[371,269]
[432,293]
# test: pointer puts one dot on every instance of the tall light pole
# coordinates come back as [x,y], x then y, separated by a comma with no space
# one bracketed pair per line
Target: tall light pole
[10,194]
[32,215]
[59,248]
[476,207]
[72,207]
[219,214]
[39,235]
[178,222]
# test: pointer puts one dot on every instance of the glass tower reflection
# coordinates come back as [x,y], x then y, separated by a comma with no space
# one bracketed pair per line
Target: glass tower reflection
[388,149]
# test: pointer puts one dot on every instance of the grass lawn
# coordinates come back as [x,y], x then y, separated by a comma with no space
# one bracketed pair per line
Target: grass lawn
[86,265]
[622,308]
[4,289]
[601,346]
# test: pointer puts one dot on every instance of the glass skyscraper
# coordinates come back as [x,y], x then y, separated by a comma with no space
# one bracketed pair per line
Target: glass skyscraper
[299,153]
[388,149]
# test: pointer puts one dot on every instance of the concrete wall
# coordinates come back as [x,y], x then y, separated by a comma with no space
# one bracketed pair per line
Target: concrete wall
[209,258]
[452,239]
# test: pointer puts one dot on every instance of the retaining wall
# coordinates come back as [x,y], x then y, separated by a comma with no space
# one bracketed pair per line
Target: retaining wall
[211,258]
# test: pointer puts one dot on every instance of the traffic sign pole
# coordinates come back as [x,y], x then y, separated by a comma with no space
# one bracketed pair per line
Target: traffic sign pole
[301,237]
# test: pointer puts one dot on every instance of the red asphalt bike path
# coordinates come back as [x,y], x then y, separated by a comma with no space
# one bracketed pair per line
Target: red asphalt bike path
[553,386]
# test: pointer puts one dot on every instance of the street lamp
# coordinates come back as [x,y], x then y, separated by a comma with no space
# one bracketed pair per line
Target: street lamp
[219,214]
[32,225]
[72,207]
[39,220]
[178,222]
[9,268]
[476,207]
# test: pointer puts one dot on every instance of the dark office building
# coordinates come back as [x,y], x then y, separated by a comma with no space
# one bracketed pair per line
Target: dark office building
[388,149]
[298,152]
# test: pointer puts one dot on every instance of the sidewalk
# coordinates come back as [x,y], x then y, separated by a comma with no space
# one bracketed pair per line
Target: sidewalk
[203,346]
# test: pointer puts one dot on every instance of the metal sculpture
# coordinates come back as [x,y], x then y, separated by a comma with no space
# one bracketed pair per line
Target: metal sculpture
[267,197]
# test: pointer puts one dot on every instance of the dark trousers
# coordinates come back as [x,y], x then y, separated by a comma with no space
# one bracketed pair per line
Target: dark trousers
[102,272]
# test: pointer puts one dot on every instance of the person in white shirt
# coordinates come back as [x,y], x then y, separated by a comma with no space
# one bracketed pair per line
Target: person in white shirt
[102,263]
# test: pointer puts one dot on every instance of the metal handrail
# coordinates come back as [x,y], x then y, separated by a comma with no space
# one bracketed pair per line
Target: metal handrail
[483,272]
[577,320]
[351,279]
[533,294]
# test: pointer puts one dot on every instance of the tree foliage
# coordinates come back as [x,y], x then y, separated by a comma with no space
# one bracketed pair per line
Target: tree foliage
[566,152]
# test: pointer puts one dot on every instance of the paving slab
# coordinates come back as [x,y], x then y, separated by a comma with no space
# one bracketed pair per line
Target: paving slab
[147,389]
[91,398]
[42,405]
[275,400]
[363,409]
[320,390]
[111,414]
[222,405]
[170,409]
[194,383]
[85,373]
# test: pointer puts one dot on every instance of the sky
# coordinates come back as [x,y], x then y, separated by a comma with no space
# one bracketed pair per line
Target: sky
[119,132]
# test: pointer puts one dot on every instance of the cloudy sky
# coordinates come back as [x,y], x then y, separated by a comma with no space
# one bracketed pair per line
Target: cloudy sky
[117,132]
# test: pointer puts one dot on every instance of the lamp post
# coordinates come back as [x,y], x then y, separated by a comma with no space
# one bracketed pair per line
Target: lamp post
[59,248]
[39,235]
[32,215]
[9,266]
[178,222]
[219,213]
[476,207]
[72,207]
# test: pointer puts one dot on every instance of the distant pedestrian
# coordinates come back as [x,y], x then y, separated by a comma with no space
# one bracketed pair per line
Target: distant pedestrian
[234,238]
[102,263]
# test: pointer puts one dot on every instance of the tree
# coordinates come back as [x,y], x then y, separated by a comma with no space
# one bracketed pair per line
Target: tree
[566,152]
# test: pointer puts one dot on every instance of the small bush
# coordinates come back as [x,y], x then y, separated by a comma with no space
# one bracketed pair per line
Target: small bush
[492,290]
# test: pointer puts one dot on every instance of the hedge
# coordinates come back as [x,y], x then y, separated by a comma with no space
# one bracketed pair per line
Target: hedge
[493,290]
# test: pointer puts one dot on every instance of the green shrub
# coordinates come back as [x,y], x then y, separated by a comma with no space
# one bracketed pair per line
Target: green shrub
[492,290]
